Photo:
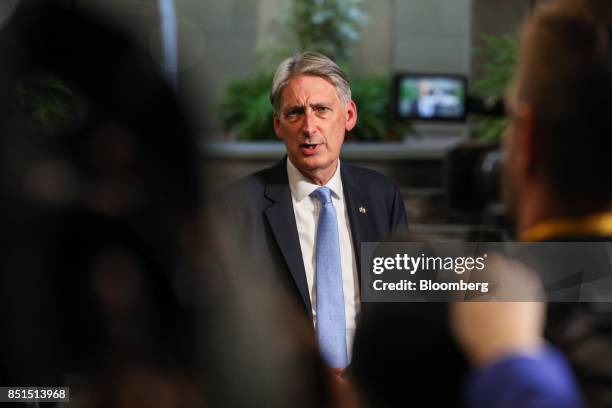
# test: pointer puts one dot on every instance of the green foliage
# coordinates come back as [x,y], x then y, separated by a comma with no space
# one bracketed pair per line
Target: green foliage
[48,103]
[374,119]
[327,26]
[500,54]
[246,108]
[492,128]
[409,92]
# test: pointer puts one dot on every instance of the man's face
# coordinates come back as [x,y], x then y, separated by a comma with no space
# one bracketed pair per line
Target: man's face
[312,121]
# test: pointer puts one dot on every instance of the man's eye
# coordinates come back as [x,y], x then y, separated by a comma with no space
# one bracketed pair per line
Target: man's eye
[322,109]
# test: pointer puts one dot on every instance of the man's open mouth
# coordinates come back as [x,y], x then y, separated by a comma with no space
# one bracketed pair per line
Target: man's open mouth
[310,149]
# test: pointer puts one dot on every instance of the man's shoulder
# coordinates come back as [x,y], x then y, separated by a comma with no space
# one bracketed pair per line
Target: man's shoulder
[254,184]
[366,178]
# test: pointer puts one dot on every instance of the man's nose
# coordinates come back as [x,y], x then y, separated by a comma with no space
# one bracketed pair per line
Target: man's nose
[309,127]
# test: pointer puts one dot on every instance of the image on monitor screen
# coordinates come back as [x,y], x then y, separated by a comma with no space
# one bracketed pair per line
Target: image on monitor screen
[430,97]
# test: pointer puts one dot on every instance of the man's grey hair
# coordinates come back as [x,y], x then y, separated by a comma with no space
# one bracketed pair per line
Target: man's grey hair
[309,63]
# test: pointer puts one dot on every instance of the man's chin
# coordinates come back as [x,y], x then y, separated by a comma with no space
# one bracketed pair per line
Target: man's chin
[309,168]
[313,165]
[310,163]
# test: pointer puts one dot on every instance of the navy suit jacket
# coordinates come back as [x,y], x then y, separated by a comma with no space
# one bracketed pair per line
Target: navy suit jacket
[260,214]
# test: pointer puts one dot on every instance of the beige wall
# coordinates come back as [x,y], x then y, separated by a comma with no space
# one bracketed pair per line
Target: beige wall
[424,35]
[228,29]
[374,53]
[432,35]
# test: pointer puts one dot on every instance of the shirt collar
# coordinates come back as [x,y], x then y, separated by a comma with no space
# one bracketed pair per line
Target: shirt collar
[301,187]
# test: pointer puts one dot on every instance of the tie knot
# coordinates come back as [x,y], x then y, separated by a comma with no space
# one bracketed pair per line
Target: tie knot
[323,194]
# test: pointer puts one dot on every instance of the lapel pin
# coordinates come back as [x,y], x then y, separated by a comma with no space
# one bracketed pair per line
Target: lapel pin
[362,210]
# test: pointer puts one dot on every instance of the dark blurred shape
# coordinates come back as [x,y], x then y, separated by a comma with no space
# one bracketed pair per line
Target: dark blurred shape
[472,183]
[559,165]
[107,275]
[7,7]
[100,198]
[472,173]
[404,355]
[493,107]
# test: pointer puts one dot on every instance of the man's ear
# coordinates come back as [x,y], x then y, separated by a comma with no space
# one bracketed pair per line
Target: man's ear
[351,116]
[277,126]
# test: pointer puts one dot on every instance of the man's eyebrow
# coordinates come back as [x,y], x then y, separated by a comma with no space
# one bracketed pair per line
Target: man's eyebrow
[294,108]
[319,105]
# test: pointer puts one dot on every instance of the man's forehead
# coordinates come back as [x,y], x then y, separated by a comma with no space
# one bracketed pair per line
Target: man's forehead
[308,89]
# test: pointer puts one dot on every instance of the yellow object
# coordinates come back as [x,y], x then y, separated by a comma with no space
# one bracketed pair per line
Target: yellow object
[595,224]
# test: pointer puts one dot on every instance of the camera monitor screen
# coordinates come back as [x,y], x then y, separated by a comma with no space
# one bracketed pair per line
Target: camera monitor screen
[430,97]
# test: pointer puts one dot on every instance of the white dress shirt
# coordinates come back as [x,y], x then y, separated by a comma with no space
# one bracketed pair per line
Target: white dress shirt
[306,210]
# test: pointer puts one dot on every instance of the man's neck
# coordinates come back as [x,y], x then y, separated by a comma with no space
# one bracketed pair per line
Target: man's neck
[321,177]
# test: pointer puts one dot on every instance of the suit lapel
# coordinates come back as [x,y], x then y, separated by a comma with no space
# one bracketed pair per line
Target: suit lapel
[281,218]
[361,228]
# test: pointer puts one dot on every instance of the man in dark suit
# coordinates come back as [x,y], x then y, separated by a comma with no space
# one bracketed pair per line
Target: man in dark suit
[302,221]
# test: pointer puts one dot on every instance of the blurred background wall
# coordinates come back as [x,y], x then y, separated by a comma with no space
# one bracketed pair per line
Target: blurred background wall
[220,40]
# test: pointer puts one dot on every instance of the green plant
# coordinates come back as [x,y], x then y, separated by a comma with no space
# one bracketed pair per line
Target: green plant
[246,108]
[327,26]
[374,120]
[500,54]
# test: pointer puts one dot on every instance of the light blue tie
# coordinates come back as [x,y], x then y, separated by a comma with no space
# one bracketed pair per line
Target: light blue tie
[331,324]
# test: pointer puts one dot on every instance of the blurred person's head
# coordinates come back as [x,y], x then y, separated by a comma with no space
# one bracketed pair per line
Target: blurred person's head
[313,110]
[560,106]
[100,200]
[101,245]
